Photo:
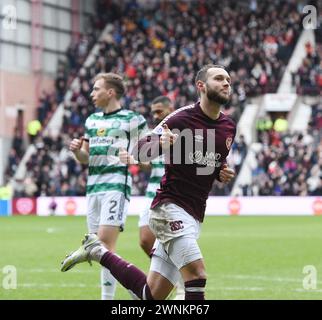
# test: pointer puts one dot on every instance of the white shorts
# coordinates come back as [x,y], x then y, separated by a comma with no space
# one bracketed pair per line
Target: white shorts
[145,214]
[109,208]
[169,221]
[176,245]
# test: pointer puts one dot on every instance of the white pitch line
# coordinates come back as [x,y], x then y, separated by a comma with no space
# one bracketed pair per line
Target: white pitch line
[238,289]
[44,270]
[309,291]
[56,285]
[264,278]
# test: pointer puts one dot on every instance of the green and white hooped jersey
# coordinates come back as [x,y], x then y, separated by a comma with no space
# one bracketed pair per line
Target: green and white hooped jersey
[107,133]
[157,172]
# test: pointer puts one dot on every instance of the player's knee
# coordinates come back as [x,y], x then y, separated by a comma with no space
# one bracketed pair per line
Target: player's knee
[198,275]
[194,271]
[201,272]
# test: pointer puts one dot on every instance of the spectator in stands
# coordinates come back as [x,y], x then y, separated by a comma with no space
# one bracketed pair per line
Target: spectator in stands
[280,124]
[33,127]
[159,48]
[290,164]
[6,192]
[308,78]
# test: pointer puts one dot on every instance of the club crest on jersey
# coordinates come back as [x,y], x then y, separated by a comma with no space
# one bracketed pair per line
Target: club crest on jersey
[101,132]
[229,141]
[116,124]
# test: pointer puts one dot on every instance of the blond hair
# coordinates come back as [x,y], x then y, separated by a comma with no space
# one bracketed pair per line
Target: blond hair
[113,80]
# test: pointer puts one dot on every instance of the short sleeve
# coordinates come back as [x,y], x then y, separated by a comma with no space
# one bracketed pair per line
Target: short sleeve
[172,121]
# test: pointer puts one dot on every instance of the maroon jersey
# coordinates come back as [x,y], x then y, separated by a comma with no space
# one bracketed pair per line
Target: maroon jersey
[194,161]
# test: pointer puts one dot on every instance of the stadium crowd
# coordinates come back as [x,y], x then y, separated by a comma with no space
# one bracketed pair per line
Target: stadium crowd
[158,49]
[308,78]
[289,164]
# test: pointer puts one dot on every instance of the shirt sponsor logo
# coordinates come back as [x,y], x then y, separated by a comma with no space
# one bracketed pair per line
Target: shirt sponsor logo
[210,159]
[102,140]
[198,138]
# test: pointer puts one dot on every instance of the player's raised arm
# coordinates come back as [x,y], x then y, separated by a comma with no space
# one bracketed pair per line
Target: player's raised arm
[167,138]
[153,145]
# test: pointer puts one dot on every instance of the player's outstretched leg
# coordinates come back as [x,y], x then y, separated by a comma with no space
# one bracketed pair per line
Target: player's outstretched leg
[126,273]
[82,254]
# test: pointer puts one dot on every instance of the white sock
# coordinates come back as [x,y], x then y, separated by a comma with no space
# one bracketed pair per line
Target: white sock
[97,253]
[108,284]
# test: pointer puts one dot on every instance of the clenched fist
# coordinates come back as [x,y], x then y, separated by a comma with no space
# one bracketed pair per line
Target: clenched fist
[125,157]
[226,174]
[167,138]
[76,144]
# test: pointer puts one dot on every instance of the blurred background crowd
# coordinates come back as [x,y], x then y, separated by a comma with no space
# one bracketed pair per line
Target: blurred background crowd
[158,49]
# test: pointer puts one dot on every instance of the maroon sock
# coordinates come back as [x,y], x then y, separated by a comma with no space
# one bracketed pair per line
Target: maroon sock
[127,275]
[195,289]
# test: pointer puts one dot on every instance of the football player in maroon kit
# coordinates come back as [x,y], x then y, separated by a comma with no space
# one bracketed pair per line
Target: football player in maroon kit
[178,208]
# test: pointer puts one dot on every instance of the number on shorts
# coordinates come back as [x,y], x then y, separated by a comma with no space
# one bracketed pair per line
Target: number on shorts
[112,208]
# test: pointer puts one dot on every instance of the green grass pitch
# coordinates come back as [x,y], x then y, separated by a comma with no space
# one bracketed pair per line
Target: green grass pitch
[246,257]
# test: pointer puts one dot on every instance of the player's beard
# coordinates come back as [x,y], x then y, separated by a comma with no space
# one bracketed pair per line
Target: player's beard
[215,96]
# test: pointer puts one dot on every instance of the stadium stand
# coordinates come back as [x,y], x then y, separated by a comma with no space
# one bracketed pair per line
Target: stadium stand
[289,164]
[308,79]
[158,48]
